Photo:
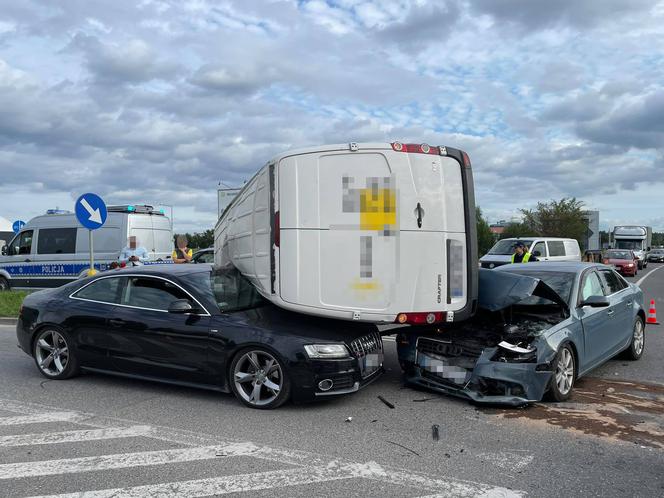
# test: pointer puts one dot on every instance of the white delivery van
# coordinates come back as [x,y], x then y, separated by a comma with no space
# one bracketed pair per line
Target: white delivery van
[377,232]
[53,249]
[544,248]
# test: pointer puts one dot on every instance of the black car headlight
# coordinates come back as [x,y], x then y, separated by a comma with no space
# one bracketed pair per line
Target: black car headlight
[324,351]
[510,353]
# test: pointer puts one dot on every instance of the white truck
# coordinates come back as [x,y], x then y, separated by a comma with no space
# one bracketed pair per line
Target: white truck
[635,238]
[375,232]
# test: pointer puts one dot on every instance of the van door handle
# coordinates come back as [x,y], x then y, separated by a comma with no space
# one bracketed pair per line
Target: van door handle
[27,261]
[610,312]
[116,322]
[420,213]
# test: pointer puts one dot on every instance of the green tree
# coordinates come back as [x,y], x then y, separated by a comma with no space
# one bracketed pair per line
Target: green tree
[484,235]
[563,218]
[200,240]
[515,229]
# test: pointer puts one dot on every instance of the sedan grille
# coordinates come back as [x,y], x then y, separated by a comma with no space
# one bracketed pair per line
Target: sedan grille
[368,350]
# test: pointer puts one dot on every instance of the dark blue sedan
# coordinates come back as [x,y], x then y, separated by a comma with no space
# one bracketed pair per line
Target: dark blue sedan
[540,327]
[191,325]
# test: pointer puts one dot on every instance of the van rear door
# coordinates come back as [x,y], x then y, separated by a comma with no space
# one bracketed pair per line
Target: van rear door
[382,231]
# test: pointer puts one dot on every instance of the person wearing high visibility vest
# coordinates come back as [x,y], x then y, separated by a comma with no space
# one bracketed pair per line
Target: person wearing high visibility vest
[521,254]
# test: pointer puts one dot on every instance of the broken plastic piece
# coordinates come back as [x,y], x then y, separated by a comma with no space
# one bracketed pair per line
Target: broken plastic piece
[349,419]
[434,432]
[387,403]
[515,349]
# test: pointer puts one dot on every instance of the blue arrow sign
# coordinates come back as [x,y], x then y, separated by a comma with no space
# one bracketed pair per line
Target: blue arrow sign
[91,211]
[18,224]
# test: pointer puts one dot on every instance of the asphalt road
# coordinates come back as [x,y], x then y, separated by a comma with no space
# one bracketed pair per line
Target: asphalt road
[103,433]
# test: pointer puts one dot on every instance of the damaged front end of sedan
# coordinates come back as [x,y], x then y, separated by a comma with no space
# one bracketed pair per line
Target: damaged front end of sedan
[502,355]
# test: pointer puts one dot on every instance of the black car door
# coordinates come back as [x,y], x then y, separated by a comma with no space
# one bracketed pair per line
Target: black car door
[88,317]
[151,342]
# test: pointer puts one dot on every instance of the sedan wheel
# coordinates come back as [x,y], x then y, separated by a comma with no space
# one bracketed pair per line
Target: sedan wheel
[562,381]
[638,344]
[259,380]
[53,355]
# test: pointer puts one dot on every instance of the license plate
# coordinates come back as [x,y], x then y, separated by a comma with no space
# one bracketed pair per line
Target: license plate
[443,368]
[370,363]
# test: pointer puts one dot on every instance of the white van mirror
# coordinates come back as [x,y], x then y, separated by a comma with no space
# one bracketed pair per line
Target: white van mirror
[537,254]
[4,250]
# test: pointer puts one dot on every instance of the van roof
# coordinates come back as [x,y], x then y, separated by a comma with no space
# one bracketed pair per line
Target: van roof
[538,238]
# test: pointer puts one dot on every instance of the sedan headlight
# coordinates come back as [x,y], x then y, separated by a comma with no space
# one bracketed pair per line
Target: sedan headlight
[326,351]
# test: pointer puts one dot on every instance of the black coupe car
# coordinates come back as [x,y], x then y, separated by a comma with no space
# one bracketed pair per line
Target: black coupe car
[192,325]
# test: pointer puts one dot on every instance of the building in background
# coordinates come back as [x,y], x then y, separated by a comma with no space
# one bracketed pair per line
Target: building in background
[591,242]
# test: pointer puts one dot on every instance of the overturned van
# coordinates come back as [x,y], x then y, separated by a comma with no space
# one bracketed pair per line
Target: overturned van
[376,232]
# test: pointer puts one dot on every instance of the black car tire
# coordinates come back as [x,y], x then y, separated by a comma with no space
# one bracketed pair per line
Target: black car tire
[260,374]
[4,284]
[638,343]
[53,354]
[564,374]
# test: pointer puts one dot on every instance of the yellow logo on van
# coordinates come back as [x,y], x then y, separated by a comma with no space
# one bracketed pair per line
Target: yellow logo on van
[378,209]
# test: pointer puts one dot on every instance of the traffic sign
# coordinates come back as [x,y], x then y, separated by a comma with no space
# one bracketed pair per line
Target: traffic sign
[91,211]
[18,224]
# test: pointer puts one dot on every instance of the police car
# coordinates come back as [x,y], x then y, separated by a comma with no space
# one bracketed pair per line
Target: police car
[53,249]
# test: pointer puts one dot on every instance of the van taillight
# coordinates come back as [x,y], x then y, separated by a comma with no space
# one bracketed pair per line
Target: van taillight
[421,318]
[466,159]
[277,229]
[419,149]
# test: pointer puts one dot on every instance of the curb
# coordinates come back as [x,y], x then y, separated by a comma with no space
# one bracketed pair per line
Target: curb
[8,321]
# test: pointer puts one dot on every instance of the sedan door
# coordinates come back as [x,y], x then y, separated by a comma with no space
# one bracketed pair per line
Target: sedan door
[622,302]
[600,325]
[149,341]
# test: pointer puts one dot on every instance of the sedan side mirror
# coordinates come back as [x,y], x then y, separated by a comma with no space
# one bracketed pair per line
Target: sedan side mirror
[595,302]
[181,306]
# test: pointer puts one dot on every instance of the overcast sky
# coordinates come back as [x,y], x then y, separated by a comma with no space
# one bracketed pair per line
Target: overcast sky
[157,101]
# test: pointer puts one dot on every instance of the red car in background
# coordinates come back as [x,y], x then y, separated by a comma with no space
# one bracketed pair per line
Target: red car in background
[624,261]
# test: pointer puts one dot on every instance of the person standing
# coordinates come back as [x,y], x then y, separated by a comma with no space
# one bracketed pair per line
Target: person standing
[521,254]
[182,254]
[133,254]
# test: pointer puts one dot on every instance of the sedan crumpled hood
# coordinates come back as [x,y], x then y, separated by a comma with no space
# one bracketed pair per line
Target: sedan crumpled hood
[499,290]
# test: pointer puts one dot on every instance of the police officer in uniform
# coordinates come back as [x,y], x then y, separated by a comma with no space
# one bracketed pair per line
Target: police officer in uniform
[521,254]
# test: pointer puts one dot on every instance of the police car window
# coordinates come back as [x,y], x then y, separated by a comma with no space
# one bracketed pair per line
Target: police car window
[612,283]
[556,248]
[21,244]
[591,286]
[539,250]
[56,241]
[152,293]
[105,290]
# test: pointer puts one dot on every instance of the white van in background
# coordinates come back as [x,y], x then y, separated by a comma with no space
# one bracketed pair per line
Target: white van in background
[374,232]
[53,249]
[544,248]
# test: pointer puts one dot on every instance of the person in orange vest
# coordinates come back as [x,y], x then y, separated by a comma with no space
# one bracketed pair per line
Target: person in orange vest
[521,254]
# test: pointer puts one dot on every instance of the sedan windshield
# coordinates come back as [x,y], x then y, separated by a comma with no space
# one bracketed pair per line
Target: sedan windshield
[619,255]
[227,288]
[506,246]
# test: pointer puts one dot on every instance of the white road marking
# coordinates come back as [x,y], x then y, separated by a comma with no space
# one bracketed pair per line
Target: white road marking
[41,418]
[508,460]
[120,461]
[310,467]
[74,436]
[638,282]
[221,485]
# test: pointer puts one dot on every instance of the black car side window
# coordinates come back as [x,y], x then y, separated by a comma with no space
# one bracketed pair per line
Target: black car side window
[612,283]
[103,290]
[151,293]
[232,292]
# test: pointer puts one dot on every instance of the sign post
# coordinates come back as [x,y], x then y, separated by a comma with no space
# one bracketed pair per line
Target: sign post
[91,214]
[17,225]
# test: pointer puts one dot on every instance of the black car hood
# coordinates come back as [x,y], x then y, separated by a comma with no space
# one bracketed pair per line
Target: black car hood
[501,289]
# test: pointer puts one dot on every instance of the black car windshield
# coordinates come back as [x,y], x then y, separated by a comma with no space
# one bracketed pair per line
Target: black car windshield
[227,288]
[618,255]
[506,246]
[561,282]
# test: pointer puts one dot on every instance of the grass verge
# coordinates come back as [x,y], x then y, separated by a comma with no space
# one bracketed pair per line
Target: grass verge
[10,302]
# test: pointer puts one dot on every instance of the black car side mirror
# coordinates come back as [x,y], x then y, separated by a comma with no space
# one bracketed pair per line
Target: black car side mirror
[181,306]
[595,302]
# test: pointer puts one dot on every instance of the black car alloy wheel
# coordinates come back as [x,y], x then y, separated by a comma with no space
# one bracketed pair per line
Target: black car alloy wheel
[258,379]
[53,355]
